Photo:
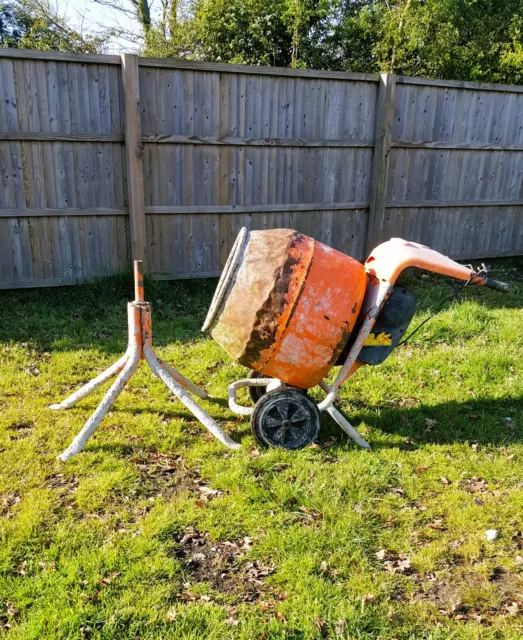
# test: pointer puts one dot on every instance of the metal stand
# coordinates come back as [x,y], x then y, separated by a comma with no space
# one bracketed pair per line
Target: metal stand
[139,348]
[271,384]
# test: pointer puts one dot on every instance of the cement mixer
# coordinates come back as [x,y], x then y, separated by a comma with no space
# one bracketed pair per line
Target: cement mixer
[291,308]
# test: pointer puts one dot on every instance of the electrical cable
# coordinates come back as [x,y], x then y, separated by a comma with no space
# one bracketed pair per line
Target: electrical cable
[482,274]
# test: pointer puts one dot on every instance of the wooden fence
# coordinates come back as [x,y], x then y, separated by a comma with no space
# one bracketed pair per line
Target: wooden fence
[105,158]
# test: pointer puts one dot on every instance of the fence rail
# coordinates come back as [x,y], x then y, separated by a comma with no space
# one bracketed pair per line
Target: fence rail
[105,158]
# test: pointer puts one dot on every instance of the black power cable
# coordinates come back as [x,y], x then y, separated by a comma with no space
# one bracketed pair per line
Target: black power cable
[482,274]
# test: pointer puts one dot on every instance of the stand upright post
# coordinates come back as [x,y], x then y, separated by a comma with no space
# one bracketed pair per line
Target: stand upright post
[139,348]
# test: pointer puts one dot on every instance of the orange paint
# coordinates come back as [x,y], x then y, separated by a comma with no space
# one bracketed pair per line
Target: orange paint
[320,319]
[138,281]
[389,259]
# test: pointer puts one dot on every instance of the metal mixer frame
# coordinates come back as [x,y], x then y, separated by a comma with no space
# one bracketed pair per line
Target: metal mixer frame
[139,348]
[383,268]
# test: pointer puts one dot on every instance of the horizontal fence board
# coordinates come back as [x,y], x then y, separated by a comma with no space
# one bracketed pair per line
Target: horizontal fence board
[460,84]
[34,54]
[423,204]
[35,136]
[253,142]
[187,65]
[269,208]
[38,213]
[471,146]
[48,282]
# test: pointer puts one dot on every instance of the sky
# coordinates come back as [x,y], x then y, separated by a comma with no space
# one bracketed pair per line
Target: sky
[90,17]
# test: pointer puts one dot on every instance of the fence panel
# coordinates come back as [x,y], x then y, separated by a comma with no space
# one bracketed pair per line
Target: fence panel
[224,149]
[63,196]
[455,175]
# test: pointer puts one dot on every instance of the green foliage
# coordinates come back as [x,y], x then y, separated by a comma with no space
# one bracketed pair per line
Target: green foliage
[464,40]
[460,39]
[28,25]
[270,32]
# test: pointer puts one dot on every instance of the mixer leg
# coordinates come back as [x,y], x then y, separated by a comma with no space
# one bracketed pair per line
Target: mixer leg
[342,421]
[184,382]
[327,388]
[108,400]
[92,385]
[186,399]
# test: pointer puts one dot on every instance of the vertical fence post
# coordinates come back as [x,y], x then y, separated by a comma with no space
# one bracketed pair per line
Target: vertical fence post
[133,154]
[380,167]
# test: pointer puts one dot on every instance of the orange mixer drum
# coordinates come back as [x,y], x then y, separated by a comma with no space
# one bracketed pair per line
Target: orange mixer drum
[286,304]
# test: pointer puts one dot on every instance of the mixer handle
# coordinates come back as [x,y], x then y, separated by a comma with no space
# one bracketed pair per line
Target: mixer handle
[496,284]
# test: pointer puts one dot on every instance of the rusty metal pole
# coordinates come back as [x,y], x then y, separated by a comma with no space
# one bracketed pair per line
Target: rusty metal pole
[139,348]
[138,281]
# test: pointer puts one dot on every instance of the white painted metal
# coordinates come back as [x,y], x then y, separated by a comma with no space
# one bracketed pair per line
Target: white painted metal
[81,439]
[140,347]
[271,384]
[374,300]
[183,381]
[240,384]
[342,421]
[91,386]
[183,397]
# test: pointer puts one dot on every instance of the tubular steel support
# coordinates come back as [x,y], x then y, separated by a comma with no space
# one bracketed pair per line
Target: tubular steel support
[91,386]
[336,415]
[342,421]
[186,399]
[140,348]
[117,387]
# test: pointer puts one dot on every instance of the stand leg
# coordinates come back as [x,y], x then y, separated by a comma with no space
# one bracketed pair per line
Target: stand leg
[91,386]
[184,382]
[183,397]
[326,387]
[81,439]
[340,419]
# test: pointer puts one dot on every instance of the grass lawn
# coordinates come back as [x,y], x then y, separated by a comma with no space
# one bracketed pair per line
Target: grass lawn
[158,531]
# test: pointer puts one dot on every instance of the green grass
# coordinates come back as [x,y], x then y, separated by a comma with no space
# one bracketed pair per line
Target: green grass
[327,542]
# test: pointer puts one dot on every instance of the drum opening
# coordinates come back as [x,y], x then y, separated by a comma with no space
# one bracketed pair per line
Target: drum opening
[227,280]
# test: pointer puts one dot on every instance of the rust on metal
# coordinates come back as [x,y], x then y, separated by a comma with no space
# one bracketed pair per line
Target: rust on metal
[291,308]
[276,312]
[345,335]
[138,281]
[246,305]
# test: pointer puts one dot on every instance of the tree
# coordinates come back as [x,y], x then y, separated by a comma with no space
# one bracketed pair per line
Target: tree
[457,39]
[32,24]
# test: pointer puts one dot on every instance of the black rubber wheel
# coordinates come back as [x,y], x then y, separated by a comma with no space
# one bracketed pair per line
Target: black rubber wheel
[285,418]
[257,392]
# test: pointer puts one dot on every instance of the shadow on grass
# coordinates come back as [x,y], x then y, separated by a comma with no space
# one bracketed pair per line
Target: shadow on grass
[94,315]
[477,421]
[482,421]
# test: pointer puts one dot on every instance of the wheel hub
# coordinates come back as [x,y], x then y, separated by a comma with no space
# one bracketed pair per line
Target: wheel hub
[286,418]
